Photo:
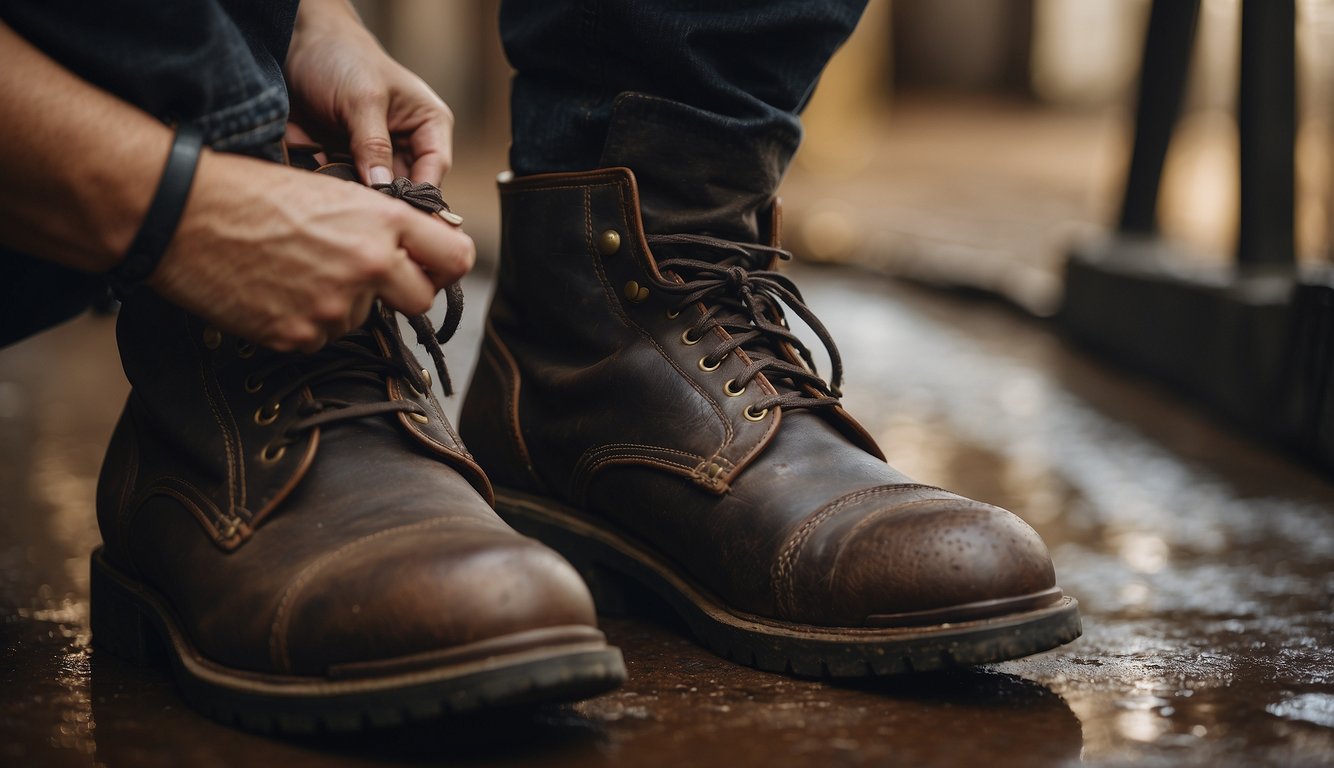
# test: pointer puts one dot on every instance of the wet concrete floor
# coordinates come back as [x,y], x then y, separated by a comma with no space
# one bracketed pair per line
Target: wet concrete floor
[1202,562]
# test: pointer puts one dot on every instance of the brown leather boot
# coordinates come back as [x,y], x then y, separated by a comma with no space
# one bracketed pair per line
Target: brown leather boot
[644,409]
[310,545]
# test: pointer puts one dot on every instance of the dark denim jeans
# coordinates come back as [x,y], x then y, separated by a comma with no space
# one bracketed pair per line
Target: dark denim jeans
[699,97]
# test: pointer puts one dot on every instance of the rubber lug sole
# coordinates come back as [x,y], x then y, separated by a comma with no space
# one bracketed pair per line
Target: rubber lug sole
[132,621]
[615,568]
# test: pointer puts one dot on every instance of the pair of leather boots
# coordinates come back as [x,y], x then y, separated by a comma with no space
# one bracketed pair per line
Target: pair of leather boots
[308,543]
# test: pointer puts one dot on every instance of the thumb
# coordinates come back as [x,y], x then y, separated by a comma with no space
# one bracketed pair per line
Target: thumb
[368,138]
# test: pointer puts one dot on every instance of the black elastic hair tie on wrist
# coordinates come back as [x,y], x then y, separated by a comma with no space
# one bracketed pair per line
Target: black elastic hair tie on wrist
[164,213]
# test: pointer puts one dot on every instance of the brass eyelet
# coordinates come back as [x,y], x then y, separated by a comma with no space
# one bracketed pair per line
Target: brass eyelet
[245,349]
[253,385]
[730,391]
[685,338]
[426,378]
[269,454]
[752,415]
[704,364]
[635,293]
[420,418]
[212,337]
[609,242]
[267,414]
[672,314]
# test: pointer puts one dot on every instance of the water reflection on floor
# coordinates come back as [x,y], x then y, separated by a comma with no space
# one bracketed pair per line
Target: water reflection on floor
[1202,562]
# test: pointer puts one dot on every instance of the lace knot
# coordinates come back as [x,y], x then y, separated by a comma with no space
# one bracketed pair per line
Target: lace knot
[745,298]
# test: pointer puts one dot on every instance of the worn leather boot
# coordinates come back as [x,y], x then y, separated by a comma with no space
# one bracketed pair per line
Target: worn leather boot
[643,407]
[307,542]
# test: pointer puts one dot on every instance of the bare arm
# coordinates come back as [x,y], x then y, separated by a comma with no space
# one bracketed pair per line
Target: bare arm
[79,166]
[282,257]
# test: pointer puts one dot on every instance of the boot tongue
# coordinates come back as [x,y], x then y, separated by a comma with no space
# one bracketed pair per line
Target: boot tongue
[697,172]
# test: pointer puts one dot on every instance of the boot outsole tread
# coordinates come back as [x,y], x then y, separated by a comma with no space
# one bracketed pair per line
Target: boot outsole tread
[132,622]
[610,562]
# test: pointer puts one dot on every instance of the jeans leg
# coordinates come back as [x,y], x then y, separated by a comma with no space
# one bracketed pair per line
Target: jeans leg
[699,98]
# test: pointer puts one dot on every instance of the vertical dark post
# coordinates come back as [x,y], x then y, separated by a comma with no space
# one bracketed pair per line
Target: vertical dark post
[1267,128]
[1168,42]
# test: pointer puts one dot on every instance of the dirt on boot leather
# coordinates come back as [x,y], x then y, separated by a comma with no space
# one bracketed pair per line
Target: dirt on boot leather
[642,407]
[307,542]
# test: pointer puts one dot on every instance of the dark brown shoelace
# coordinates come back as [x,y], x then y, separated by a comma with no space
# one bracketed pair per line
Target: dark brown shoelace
[746,300]
[356,356]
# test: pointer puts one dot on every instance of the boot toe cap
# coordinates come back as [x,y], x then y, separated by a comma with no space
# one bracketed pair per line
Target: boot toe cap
[425,594]
[933,561]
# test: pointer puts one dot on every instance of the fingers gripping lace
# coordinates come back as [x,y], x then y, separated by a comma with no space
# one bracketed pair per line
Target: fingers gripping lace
[746,300]
[427,197]
[357,355]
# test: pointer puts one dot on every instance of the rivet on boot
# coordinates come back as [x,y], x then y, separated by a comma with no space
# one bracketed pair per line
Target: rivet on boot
[635,292]
[609,242]
[212,337]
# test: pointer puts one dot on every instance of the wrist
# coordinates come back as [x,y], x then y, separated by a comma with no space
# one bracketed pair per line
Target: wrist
[318,18]
[164,212]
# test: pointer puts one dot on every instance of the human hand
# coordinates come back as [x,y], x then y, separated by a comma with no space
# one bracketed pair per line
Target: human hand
[291,259]
[346,90]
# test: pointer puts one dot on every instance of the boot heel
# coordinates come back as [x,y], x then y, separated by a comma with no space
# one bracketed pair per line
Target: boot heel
[119,625]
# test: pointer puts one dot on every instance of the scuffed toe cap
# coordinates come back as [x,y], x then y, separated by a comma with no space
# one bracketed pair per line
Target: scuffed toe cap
[425,593]
[926,561]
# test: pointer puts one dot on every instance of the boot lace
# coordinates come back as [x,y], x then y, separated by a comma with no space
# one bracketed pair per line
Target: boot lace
[745,299]
[356,356]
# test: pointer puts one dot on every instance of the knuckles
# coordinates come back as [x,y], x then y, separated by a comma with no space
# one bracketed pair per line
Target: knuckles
[375,146]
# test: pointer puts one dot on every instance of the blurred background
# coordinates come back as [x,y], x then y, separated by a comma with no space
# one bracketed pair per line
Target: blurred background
[955,142]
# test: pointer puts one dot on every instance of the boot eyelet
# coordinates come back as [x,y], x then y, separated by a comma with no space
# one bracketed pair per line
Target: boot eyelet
[267,414]
[752,415]
[635,293]
[672,314]
[426,378]
[730,389]
[212,337]
[706,367]
[420,418]
[687,340]
[253,385]
[270,454]
[609,242]
[245,349]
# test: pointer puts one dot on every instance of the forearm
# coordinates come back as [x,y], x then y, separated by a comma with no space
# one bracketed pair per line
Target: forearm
[79,165]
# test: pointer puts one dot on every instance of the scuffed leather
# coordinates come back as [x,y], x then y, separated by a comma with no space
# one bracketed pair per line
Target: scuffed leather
[595,400]
[369,540]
